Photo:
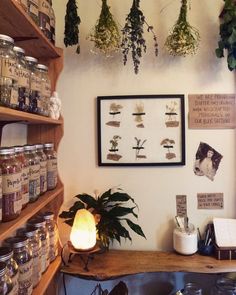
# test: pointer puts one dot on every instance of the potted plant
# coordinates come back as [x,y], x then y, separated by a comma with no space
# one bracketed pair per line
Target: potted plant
[111,212]
[228,34]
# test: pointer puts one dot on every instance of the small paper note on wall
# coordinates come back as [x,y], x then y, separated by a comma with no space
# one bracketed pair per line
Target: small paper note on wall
[181,205]
[210,200]
[212,111]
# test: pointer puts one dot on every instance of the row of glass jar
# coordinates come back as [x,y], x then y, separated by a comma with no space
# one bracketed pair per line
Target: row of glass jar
[42,13]
[26,172]
[25,257]
[24,84]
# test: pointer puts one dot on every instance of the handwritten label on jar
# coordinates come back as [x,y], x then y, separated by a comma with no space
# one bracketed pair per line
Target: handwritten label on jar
[34,180]
[11,183]
[23,78]
[9,68]
[44,7]
[35,83]
[52,173]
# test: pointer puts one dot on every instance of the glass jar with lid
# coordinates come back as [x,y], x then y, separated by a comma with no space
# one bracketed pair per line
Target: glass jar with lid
[8,73]
[192,289]
[43,103]
[5,280]
[6,255]
[20,156]
[224,286]
[34,172]
[11,184]
[35,245]
[51,165]
[34,93]
[33,10]
[43,168]
[53,234]
[23,75]
[23,257]
[40,224]
[44,17]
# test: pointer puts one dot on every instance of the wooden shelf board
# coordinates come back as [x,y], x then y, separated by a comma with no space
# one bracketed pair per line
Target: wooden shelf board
[47,277]
[7,228]
[15,23]
[10,115]
[117,263]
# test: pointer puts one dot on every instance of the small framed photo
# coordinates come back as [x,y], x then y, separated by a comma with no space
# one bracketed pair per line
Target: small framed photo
[141,130]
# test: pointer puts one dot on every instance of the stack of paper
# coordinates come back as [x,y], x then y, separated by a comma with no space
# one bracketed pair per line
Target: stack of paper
[225,232]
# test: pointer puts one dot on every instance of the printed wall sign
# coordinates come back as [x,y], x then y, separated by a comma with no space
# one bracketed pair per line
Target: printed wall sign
[212,111]
[181,205]
[210,200]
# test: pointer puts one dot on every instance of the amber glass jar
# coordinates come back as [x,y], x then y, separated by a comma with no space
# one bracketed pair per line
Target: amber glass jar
[5,280]
[6,255]
[51,165]
[40,224]
[23,257]
[8,73]
[43,168]
[53,234]
[23,76]
[34,172]
[20,156]
[11,184]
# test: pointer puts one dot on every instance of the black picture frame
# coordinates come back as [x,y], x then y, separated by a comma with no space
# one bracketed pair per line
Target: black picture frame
[141,130]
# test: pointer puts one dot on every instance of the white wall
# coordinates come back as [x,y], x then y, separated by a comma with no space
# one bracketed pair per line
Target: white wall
[87,76]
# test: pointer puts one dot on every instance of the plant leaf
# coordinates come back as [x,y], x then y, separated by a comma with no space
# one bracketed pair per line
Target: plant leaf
[88,200]
[122,211]
[136,228]
[106,195]
[120,197]
[69,221]
[67,214]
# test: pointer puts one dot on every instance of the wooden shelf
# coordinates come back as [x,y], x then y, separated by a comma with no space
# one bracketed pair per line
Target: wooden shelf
[15,23]
[47,277]
[10,115]
[7,228]
[116,263]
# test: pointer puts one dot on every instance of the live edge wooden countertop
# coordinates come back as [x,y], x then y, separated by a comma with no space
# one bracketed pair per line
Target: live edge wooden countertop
[117,263]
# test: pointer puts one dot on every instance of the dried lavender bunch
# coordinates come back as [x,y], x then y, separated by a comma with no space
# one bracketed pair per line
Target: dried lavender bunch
[133,39]
[184,39]
[106,35]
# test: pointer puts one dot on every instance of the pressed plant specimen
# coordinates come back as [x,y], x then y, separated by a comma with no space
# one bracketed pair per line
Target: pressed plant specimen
[114,112]
[184,38]
[168,144]
[112,155]
[139,146]
[133,36]
[171,115]
[105,34]
[138,114]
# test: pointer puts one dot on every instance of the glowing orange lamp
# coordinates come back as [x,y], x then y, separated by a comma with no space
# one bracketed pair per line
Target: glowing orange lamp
[83,233]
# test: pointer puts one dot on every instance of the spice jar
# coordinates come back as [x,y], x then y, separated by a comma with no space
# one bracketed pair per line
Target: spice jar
[34,93]
[53,235]
[45,94]
[23,75]
[5,281]
[34,243]
[33,10]
[34,172]
[40,224]
[8,73]
[11,184]
[6,255]
[23,257]
[224,286]
[44,17]
[192,289]
[51,165]
[20,156]
[43,168]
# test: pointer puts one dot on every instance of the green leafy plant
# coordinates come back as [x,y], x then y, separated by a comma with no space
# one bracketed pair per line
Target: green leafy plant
[110,210]
[72,21]
[228,34]
[184,39]
[132,36]
[106,35]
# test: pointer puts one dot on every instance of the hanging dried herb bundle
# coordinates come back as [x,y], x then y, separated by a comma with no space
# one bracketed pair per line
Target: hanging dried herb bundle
[133,36]
[184,39]
[72,21]
[228,34]
[106,35]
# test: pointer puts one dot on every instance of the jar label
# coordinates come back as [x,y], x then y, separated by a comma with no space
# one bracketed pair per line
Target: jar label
[44,7]
[24,3]
[15,284]
[23,78]
[35,83]
[36,265]
[34,10]
[43,176]
[25,185]
[52,173]
[34,180]
[11,183]
[14,97]
[44,257]
[9,68]
[46,89]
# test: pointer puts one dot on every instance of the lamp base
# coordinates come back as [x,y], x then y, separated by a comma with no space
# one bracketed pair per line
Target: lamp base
[84,255]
